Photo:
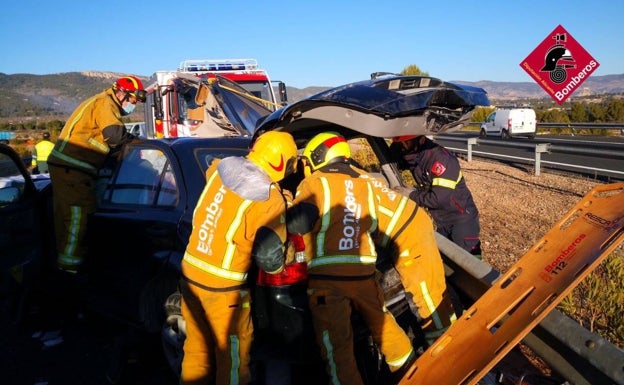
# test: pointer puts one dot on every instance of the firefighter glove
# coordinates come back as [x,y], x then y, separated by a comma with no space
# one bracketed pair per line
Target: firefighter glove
[406,191]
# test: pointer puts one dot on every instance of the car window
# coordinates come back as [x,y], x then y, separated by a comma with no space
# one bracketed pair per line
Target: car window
[9,194]
[11,181]
[169,188]
[145,177]
[187,91]
[205,156]
[8,168]
[363,157]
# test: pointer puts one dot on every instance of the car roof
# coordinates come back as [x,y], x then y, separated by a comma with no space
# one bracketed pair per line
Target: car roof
[180,143]
[220,140]
[383,107]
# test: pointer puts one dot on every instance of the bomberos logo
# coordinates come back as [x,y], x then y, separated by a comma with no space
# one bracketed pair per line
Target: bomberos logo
[559,64]
[351,220]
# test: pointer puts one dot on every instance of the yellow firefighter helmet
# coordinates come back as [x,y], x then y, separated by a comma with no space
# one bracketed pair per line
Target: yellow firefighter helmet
[326,148]
[276,153]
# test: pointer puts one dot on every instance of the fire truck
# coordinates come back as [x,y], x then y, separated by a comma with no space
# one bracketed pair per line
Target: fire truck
[196,99]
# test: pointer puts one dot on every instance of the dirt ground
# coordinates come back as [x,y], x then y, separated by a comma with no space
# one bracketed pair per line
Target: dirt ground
[516,207]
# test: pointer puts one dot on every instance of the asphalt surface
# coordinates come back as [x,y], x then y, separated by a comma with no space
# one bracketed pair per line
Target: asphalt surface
[44,350]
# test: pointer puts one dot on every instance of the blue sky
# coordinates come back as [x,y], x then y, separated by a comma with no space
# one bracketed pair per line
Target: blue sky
[304,43]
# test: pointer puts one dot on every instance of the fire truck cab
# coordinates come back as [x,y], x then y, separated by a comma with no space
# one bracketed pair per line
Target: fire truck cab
[191,100]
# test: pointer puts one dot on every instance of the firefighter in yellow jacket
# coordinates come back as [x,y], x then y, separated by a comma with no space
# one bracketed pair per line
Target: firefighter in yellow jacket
[339,208]
[92,131]
[407,232]
[239,218]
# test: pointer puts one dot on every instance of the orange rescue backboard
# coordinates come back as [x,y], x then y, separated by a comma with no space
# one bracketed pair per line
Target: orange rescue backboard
[522,297]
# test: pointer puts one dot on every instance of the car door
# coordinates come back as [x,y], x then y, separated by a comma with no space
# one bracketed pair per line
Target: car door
[490,125]
[134,231]
[138,234]
[22,222]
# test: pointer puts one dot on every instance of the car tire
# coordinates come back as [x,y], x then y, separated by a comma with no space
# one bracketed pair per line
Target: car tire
[174,333]
[505,134]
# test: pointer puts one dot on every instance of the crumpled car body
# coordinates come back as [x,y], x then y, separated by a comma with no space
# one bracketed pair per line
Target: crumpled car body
[383,107]
[183,104]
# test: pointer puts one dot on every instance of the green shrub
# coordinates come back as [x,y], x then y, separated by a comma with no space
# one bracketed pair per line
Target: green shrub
[597,302]
[363,155]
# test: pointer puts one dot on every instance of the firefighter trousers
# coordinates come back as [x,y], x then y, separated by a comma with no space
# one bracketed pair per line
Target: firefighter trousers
[74,199]
[464,234]
[218,336]
[331,302]
[422,275]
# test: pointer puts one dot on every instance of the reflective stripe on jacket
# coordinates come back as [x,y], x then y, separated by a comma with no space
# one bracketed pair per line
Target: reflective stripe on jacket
[82,143]
[219,252]
[443,189]
[395,210]
[408,232]
[347,218]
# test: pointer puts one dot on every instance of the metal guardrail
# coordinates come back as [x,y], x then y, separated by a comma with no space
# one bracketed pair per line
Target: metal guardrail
[608,126]
[564,344]
[539,149]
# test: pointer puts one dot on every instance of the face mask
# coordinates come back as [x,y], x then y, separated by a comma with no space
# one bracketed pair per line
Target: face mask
[128,108]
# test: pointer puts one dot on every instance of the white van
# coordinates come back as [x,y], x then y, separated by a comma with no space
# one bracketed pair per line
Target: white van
[508,122]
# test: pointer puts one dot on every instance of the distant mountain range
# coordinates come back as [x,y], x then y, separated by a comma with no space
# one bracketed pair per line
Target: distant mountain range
[594,85]
[24,95]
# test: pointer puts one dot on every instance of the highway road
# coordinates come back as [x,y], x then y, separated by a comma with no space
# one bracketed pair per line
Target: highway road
[600,157]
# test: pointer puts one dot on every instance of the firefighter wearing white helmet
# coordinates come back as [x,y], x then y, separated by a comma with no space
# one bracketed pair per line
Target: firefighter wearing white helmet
[339,209]
[239,218]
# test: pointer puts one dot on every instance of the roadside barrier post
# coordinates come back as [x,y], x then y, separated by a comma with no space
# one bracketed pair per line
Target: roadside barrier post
[471,142]
[539,149]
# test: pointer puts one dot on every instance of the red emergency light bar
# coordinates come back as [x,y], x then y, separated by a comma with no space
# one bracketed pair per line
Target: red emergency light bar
[239,77]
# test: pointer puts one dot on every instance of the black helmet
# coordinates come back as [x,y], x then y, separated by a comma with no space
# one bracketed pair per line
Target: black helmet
[553,56]
[46,135]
